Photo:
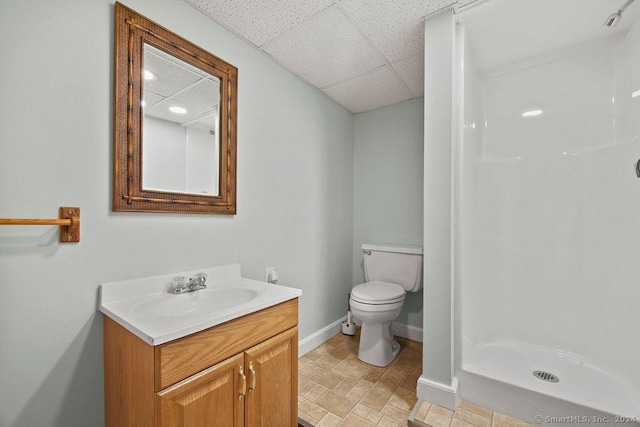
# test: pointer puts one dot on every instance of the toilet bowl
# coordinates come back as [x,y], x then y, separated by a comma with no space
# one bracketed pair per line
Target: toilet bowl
[377,304]
[390,272]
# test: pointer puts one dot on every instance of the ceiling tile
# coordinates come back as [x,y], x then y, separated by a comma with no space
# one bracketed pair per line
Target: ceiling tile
[260,21]
[205,94]
[411,71]
[371,50]
[375,89]
[324,50]
[395,27]
[150,99]
[161,111]
[169,76]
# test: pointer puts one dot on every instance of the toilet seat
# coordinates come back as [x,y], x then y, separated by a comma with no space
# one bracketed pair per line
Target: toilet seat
[377,293]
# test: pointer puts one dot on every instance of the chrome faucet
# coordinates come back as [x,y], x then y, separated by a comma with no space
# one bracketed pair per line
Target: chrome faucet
[179,285]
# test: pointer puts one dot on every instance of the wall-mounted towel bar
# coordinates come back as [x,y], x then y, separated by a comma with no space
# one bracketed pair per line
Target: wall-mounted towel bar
[68,220]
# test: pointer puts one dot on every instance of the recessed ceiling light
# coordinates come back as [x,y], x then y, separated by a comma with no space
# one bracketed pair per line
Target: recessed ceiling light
[635,94]
[177,110]
[532,113]
[148,75]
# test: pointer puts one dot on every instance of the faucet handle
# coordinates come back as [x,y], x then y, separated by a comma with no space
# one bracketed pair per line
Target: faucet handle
[179,285]
[200,278]
[198,282]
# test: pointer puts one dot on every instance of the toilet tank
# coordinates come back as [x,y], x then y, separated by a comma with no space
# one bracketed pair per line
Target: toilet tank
[399,264]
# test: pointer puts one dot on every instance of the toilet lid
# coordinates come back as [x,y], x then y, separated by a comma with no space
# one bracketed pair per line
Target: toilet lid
[377,293]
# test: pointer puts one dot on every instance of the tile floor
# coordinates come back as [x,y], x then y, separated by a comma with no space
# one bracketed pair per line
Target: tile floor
[466,415]
[337,389]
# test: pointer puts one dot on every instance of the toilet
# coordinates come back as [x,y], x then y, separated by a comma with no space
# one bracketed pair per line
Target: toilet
[390,271]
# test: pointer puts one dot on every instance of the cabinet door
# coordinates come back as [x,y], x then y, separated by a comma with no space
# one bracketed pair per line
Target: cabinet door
[213,397]
[272,381]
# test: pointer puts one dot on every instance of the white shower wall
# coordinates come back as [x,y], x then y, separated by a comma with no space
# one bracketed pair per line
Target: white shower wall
[549,215]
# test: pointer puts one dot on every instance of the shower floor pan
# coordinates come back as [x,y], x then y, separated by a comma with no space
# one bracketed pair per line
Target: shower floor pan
[501,376]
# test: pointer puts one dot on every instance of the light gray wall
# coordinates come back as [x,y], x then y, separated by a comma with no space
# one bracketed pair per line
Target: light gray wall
[295,198]
[437,359]
[388,180]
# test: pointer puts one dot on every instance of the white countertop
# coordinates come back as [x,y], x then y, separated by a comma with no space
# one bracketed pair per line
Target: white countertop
[140,305]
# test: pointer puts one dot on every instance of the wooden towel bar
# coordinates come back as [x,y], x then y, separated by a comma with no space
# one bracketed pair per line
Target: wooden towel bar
[68,220]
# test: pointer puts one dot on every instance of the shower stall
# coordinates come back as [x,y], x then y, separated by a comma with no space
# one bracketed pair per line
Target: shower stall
[548,209]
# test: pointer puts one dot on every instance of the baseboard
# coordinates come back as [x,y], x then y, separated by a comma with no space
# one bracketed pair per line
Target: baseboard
[412,333]
[314,340]
[438,393]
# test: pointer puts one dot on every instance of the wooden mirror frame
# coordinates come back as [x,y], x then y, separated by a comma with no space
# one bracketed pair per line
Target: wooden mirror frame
[132,31]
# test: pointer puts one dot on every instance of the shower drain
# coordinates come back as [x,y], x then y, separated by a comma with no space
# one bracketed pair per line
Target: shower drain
[546,376]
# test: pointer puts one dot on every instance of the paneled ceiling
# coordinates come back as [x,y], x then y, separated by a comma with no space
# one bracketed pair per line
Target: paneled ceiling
[173,83]
[364,54]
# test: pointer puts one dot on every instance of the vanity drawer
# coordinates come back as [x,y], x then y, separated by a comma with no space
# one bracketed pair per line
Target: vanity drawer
[179,359]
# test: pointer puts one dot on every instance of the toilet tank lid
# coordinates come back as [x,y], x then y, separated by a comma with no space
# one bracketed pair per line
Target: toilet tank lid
[388,247]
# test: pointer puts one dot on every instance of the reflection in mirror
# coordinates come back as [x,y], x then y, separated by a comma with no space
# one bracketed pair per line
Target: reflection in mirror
[174,122]
[180,126]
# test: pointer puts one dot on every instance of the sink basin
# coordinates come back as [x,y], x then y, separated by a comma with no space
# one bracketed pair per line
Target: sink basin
[146,308]
[203,301]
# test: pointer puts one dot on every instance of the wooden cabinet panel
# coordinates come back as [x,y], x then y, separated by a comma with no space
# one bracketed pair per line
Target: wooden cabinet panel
[211,398]
[272,376]
[128,378]
[181,358]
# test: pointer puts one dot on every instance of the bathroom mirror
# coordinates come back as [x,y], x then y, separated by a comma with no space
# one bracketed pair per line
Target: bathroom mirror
[175,122]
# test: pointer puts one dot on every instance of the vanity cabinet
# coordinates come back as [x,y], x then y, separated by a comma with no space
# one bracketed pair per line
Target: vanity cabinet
[239,373]
[212,394]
